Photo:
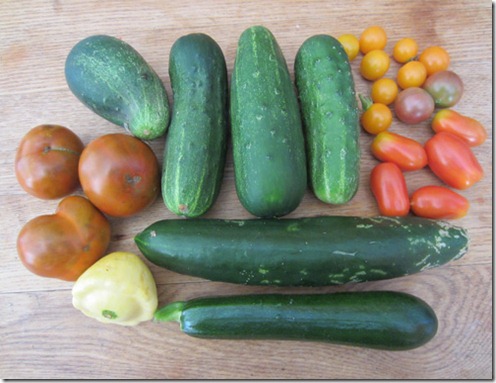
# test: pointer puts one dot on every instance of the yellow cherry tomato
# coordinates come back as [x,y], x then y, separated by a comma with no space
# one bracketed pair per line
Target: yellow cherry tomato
[435,59]
[412,74]
[404,50]
[384,91]
[372,38]
[374,65]
[350,44]
[376,117]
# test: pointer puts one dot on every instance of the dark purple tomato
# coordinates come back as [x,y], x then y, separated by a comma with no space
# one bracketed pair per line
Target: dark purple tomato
[446,87]
[413,105]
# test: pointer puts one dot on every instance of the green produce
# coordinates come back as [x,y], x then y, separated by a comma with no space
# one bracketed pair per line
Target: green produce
[330,118]
[267,136]
[375,319]
[111,78]
[195,148]
[315,251]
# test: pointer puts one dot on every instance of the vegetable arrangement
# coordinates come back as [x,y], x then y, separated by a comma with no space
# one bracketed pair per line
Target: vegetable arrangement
[284,136]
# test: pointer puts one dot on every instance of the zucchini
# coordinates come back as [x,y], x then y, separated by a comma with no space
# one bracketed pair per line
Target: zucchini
[267,134]
[316,251]
[330,118]
[374,319]
[111,78]
[195,148]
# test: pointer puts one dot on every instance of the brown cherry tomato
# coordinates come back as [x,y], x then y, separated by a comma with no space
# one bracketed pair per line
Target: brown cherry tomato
[120,174]
[452,160]
[389,188]
[63,245]
[413,105]
[438,202]
[467,128]
[46,162]
[408,154]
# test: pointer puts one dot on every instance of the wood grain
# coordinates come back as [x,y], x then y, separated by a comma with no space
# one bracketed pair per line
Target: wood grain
[43,336]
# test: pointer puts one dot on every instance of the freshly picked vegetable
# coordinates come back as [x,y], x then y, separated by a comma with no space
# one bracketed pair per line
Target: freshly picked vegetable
[467,128]
[414,105]
[446,87]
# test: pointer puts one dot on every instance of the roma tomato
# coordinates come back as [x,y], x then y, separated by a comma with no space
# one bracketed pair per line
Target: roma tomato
[374,65]
[435,59]
[372,38]
[120,174]
[408,154]
[445,87]
[413,105]
[63,245]
[46,162]
[438,202]
[467,128]
[388,186]
[452,160]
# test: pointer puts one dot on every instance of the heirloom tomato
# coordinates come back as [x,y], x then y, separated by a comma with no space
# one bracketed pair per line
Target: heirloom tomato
[413,105]
[445,87]
[438,202]
[389,188]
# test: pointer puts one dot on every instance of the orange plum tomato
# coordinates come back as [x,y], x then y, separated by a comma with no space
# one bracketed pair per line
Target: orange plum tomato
[372,38]
[405,50]
[63,245]
[451,159]
[411,74]
[384,91]
[467,128]
[445,87]
[120,174]
[405,152]
[438,202]
[389,188]
[413,105]
[46,162]
[435,59]
[374,65]
[350,44]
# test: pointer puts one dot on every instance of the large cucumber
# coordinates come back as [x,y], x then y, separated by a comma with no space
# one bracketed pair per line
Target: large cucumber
[375,319]
[330,118]
[314,251]
[195,148]
[111,78]
[267,135]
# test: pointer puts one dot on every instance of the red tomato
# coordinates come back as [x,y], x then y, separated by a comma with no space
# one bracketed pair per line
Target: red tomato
[120,174]
[438,202]
[46,163]
[452,160]
[388,186]
[467,128]
[408,154]
[63,245]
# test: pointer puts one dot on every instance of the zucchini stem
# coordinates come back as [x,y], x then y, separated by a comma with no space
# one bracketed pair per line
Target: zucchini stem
[170,312]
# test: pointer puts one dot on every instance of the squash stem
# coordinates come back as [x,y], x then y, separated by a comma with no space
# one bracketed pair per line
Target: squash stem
[170,312]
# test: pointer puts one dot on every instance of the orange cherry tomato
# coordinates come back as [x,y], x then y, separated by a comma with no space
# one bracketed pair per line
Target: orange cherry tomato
[384,91]
[63,245]
[350,44]
[405,50]
[376,117]
[408,154]
[438,202]
[46,162]
[374,65]
[467,128]
[412,74]
[372,38]
[435,59]
[388,186]
[452,160]
[120,174]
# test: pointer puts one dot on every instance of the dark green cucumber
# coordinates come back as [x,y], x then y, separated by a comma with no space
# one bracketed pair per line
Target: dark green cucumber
[111,78]
[330,118]
[374,319]
[195,148]
[315,251]
[267,134]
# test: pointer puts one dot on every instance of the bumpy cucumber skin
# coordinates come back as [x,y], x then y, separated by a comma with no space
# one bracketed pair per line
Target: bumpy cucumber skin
[195,150]
[374,319]
[330,118]
[112,79]
[267,134]
[318,251]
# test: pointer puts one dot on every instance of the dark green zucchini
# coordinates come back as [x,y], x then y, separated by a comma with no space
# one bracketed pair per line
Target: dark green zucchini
[315,251]
[111,78]
[195,148]
[267,134]
[376,319]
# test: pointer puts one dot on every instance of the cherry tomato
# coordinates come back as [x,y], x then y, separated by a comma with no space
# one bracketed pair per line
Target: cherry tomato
[46,162]
[435,59]
[446,87]
[467,128]
[438,202]
[388,186]
[120,174]
[350,44]
[63,245]
[408,154]
[374,65]
[372,38]
[405,50]
[384,91]
[412,74]
[452,160]
[413,105]
[376,117]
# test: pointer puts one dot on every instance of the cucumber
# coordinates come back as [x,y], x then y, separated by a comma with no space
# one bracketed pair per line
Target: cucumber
[374,319]
[112,79]
[267,134]
[195,148]
[315,251]
[330,118]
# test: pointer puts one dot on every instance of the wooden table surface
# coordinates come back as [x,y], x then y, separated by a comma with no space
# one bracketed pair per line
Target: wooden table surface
[43,336]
